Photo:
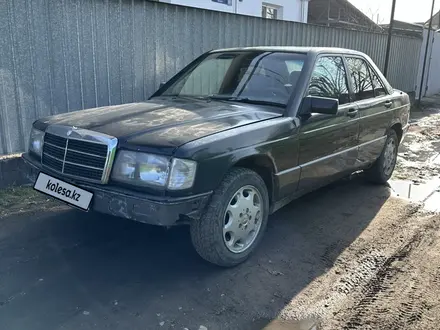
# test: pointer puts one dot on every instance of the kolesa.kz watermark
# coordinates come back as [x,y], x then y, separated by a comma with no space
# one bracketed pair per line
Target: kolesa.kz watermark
[56,188]
[63,191]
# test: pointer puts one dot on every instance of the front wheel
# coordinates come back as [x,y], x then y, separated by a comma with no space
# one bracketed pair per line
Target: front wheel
[383,168]
[234,221]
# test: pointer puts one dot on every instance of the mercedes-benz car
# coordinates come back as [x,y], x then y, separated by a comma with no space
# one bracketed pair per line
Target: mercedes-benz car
[230,139]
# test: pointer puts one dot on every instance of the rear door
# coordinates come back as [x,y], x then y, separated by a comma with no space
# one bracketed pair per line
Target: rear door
[375,108]
[328,143]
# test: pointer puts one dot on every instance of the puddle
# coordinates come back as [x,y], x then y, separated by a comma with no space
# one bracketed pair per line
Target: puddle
[417,192]
[427,193]
[419,154]
[284,325]
[433,202]
[417,173]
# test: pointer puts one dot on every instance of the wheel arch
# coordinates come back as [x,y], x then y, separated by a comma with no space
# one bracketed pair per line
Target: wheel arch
[264,166]
[398,128]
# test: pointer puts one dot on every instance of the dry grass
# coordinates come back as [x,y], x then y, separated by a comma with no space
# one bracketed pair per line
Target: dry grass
[22,199]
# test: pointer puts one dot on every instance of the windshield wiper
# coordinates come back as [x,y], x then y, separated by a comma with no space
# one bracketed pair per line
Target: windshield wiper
[245,100]
[184,96]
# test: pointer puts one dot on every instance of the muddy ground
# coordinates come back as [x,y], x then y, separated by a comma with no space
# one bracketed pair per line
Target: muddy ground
[350,256]
[419,159]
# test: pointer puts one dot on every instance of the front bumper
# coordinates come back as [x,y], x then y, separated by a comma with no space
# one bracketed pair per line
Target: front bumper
[155,210]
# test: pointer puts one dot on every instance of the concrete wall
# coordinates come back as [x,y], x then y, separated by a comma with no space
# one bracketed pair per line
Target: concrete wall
[290,10]
[61,56]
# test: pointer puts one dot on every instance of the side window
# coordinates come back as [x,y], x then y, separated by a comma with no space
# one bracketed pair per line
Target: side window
[379,88]
[361,78]
[329,79]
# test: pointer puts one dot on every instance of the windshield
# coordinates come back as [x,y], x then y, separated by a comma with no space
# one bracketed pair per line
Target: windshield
[242,76]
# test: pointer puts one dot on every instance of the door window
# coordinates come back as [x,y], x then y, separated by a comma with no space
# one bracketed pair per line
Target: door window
[361,78]
[329,79]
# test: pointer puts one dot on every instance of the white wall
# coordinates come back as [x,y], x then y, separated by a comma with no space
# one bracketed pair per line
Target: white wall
[292,10]
[206,4]
[431,81]
[434,67]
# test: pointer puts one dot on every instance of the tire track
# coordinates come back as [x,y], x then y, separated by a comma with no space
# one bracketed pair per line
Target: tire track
[365,314]
[364,270]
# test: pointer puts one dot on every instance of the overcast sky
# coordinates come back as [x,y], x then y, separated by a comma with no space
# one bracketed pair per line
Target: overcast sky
[406,10]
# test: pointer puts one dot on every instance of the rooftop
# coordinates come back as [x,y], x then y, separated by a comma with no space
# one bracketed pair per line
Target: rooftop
[405,28]
[293,49]
[340,13]
[435,21]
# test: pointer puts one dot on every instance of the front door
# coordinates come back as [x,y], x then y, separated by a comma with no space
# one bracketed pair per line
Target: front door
[328,143]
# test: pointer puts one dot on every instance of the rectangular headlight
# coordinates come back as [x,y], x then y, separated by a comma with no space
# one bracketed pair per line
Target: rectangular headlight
[141,169]
[36,140]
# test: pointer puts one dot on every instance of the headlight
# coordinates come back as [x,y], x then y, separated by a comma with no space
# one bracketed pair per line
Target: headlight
[141,169]
[151,170]
[36,141]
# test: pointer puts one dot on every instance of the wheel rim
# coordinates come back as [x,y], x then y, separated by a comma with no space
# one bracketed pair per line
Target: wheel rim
[242,219]
[389,157]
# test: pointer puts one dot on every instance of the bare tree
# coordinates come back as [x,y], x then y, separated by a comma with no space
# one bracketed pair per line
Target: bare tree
[374,15]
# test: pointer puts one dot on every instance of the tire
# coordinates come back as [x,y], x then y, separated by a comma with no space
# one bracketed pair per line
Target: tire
[383,167]
[210,233]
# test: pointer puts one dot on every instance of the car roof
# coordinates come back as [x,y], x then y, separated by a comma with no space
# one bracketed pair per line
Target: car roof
[305,50]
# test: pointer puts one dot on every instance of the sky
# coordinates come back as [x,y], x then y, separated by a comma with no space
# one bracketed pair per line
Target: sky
[406,10]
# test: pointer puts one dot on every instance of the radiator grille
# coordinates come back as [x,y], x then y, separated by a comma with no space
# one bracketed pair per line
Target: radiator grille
[79,158]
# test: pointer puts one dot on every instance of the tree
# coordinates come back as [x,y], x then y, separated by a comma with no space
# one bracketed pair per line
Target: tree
[374,15]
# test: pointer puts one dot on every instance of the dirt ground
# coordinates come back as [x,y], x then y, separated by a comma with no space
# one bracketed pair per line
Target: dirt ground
[349,256]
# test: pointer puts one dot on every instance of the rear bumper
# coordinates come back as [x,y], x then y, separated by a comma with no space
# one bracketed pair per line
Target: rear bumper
[155,210]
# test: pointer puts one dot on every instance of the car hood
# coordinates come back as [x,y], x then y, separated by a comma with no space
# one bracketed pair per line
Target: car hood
[164,123]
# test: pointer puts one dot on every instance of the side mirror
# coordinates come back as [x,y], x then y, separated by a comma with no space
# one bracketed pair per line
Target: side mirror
[323,105]
[161,84]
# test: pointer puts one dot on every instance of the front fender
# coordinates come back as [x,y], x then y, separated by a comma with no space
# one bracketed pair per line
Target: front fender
[211,171]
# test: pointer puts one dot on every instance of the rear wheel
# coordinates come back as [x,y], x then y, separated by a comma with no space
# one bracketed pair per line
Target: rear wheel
[234,221]
[383,168]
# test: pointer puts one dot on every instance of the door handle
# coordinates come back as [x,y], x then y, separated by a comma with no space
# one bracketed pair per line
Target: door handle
[352,113]
[388,104]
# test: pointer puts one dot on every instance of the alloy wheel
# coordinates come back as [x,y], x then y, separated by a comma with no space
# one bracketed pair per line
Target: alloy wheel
[242,219]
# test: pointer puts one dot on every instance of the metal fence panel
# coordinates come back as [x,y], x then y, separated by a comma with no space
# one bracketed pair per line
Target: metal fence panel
[60,56]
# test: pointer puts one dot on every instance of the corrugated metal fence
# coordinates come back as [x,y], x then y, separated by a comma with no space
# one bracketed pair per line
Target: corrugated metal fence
[58,56]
